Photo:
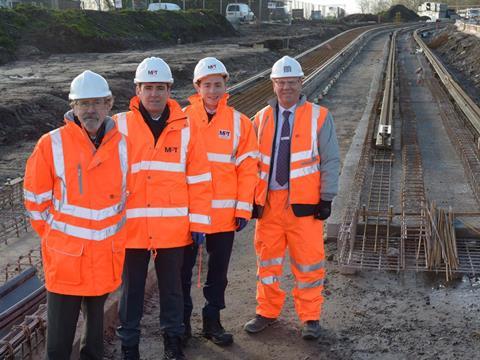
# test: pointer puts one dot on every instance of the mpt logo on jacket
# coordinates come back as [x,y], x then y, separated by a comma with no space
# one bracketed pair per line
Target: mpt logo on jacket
[224,134]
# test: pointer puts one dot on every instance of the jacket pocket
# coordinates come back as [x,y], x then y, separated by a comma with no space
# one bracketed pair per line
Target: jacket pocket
[65,259]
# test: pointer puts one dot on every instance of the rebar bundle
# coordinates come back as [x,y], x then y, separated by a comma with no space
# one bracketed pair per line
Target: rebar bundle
[441,242]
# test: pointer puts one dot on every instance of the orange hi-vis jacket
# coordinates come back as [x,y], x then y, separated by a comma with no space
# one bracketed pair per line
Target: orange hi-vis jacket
[75,196]
[305,183]
[232,152]
[172,189]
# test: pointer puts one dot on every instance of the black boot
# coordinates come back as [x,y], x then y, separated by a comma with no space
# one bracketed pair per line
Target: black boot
[187,335]
[172,348]
[213,330]
[130,352]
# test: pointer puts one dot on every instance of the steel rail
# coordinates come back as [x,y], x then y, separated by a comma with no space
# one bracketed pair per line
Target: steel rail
[461,98]
[260,91]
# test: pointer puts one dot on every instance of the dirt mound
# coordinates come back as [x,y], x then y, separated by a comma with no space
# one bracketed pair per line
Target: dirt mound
[406,14]
[72,31]
[461,53]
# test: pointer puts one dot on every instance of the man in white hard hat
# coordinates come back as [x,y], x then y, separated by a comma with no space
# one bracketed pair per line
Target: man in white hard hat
[169,204]
[232,153]
[299,170]
[75,193]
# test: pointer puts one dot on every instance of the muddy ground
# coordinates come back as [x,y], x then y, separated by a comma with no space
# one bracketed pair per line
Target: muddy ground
[370,315]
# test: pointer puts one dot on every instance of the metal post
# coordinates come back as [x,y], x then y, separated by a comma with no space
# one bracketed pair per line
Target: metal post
[260,11]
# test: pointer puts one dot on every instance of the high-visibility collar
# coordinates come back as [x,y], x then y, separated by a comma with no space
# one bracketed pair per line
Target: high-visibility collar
[176,112]
[76,130]
[196,102]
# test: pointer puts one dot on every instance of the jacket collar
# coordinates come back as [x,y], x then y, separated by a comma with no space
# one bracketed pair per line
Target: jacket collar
[69,118]
[274,102]
[176,112]
[197,100]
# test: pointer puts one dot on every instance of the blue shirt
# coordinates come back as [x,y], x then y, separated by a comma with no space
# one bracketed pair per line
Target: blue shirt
[274,185]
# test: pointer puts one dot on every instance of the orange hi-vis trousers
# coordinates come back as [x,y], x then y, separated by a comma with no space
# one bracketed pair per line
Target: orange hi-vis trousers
[278,229]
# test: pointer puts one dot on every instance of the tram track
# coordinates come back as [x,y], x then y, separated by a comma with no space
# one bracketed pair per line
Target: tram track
[376,236]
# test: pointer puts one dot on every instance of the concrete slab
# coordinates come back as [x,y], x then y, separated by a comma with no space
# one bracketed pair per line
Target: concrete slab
[351,104]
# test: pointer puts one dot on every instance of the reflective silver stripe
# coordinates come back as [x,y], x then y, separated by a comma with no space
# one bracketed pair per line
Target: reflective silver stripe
[260,123]
[223,204]
[269,280]
[123,156]
[309,285]
[236,132]
[122,123]
[87,213]
[85,233]
[242,205]
[304,171]
[158,166]
[307,268]
[301,155]
[184,145]
[265,159]
[59,162]
[37,198]
[263,175]
[200,219]
[252,154]
[270,262]
[223,158]
[315,115]
[38,215]
[156,212]
[194,179]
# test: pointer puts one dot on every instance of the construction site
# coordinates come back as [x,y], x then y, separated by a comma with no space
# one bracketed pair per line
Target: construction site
[403,242]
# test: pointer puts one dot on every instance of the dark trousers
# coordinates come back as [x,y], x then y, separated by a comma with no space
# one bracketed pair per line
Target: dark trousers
[168,265]
[219,249]
[62,317]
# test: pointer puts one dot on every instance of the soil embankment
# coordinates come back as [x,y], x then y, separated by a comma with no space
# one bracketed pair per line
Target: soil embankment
[27,31]
[461,53]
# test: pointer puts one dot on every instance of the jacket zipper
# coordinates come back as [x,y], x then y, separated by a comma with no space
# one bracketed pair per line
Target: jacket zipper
[80,182]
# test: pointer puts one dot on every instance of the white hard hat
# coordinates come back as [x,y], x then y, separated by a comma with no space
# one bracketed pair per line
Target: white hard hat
[89,85]
[209,66]
[286,67]
[153,70]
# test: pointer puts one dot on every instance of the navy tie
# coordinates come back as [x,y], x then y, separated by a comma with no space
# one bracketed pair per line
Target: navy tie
[283,157]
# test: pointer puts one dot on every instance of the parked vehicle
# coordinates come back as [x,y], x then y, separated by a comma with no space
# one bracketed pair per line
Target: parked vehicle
[239,12]
[163,6]
[279,13]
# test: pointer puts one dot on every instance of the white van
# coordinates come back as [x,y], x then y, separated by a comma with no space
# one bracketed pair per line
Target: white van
[239,13]
[163,6]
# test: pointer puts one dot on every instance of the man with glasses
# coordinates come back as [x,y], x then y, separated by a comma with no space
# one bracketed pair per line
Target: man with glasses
[75,192]
[299,169]
[169,204]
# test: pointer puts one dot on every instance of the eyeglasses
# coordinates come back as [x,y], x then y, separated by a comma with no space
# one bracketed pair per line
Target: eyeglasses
[97,104]
[285,83]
